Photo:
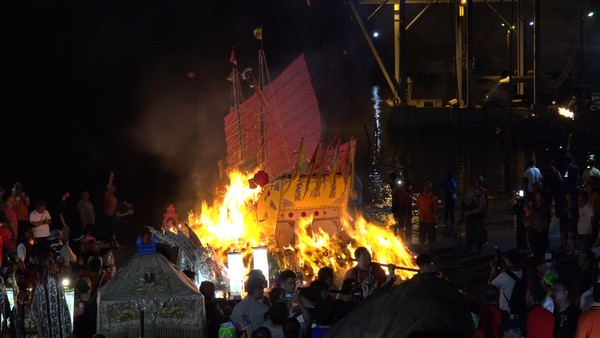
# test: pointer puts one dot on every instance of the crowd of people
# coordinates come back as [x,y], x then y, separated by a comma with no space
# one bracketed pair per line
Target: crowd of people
[533,290]
[291,310]
[45,249]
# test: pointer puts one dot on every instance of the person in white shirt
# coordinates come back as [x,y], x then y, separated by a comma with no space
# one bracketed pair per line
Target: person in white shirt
[503,281]
[584,223]
[533,174]
[249,313]
[40,219]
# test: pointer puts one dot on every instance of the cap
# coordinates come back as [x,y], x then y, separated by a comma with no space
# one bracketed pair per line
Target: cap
[550,277]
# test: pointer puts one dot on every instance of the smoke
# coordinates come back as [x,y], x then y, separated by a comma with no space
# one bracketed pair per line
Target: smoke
[181,122]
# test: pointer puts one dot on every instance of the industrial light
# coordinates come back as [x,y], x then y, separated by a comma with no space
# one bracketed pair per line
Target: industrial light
[375,34]
[236,272]
[530,23]
[566,113]
[590,14]
[259,256]
[66,282]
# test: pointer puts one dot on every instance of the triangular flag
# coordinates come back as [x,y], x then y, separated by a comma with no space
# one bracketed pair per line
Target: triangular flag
[232,57]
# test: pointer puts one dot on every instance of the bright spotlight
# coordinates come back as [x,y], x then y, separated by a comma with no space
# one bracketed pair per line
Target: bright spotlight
[375,34]
[566,113]
[590,14]
[530,23]
[66,282]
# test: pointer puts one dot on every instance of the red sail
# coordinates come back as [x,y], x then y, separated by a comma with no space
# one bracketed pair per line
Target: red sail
[291,113]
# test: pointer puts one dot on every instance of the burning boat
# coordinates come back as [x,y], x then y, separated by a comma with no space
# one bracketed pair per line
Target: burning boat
[285,204]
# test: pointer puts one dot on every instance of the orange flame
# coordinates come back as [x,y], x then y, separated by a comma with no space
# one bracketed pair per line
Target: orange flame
[231,225]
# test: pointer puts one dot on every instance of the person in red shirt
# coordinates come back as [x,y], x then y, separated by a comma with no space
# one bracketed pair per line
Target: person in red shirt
[540,322]
[491,316]
[370,275]
[5,238]
[427,204]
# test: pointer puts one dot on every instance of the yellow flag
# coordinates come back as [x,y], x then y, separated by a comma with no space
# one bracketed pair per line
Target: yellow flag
[257,33]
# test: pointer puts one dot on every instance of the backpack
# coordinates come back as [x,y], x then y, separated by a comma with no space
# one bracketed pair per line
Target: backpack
[516,302]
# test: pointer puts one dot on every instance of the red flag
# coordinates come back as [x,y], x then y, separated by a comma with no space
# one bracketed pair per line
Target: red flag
[232,57]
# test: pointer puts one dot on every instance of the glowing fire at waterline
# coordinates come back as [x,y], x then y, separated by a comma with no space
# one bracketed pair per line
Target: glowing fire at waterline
[231,224]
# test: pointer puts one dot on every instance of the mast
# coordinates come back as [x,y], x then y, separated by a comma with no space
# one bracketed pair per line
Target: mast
[262,79]
[237,99]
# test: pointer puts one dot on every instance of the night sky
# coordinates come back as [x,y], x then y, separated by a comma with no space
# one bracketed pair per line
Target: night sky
[87,87]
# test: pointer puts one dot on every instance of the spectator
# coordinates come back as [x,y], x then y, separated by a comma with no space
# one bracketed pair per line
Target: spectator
[588,325]
[262,332]
[84,325]
[449,186]
[566,314]
[251,306]
[87,215]
[288,280]
[19,201]
[276,317]
[12,221]
[519,210]
[427,204]
[214,314]
[64,222]
[291,328]
[108,258]
[402,208]
[507,278]
[539,220]
[40,219]
[533,174]
[326,275]
[584,223]
[540,323]
[258,274]
[474,215]
[568,222]
[491,317]
[368,274]
[276,295]
[67,257]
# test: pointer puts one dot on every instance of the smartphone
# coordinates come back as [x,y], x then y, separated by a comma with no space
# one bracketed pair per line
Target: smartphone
[245,320]
[290,294]
[521,193]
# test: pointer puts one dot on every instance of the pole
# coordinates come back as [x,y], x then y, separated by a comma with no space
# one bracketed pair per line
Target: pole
[397,267]
[403,52]
[470,58]
[537,29]
[581,34]
[361,25]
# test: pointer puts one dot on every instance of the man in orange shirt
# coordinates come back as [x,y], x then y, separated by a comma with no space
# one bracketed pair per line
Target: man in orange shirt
[427,204]
[588,325]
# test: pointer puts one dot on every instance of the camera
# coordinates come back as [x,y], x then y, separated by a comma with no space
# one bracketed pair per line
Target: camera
[357,291]
[498,260]
[290,294]
[521,193]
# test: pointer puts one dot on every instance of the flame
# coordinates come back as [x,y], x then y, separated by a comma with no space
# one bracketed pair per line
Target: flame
[231,225]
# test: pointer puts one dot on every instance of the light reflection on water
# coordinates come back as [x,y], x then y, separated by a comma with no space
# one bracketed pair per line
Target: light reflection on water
[429,157]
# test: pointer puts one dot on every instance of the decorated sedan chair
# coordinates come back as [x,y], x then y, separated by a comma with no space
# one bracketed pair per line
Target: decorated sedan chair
[150,297]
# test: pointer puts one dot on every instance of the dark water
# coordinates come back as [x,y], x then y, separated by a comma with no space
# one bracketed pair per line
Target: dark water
[430,157]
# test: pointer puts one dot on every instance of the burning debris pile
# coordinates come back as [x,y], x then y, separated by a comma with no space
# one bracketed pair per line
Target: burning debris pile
[233,224]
